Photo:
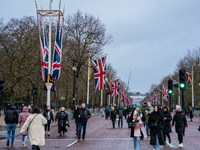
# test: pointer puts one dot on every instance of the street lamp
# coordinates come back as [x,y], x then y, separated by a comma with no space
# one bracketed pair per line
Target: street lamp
[74,68]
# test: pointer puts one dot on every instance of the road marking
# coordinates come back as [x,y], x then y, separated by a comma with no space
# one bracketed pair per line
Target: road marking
[72,143]
[169,143]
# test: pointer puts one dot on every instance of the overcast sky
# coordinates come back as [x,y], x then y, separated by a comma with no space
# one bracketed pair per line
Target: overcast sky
[150,36]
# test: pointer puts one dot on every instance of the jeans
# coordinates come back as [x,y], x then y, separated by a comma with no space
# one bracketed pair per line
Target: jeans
[76,126]
[157,146]
[80,125]
[120,118]
[137,143]
[147,127]
[9,128]
[48,125]
[24,138]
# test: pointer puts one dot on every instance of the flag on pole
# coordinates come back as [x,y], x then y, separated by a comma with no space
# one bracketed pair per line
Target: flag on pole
[108,85]
[115,87]
[43,48]
[188,77]
[99,67]
[58,50]
[122,95]
[156,97]
[165,93]
[175,83]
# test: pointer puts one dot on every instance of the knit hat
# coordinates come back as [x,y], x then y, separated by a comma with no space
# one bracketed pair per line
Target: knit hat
[138,105]
[177,107]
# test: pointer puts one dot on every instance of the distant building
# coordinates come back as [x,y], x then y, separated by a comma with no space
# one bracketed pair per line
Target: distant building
[137,97]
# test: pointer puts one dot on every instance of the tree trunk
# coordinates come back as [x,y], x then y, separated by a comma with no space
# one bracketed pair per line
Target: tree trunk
[12,96]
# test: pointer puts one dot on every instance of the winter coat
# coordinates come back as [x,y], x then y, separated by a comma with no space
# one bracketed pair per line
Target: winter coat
[120,112]
[191,114]
[15,116]
[168,116]
[62,118]
[180,122]
[113,115]
[21,109]
[144,109]
[132,129]
[159,120]
[75,114]
[22,118]
[36,129]
[85,114]
[45,114]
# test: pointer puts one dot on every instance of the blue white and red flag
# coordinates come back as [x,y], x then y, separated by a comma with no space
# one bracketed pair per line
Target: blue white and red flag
[165,93]
[115,87]
[156,97]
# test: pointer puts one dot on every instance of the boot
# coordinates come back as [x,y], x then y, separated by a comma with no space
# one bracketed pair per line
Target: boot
[8,142]
[169,140]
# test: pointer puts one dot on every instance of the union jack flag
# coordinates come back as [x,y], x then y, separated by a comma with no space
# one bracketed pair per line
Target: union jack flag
[156,97]
[165,93]
[99,66]
[188,77]
[125,98]
[122,95]
[115,87]
[58,51]
[43,48]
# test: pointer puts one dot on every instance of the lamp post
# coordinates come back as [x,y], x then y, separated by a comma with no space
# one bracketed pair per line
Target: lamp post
[74,69]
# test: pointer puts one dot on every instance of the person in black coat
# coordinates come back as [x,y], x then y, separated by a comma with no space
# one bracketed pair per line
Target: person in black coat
[191,114]
[180,122]
[130,110]
[113,116]
[49,116]
[62,117]
[156,124]
[167,128]
[75,115]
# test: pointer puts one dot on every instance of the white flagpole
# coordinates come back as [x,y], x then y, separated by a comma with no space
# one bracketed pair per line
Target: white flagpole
[118,100]
[192,88]
[113,100]
[88,84]
[49,85]
[179,98]
[109,100]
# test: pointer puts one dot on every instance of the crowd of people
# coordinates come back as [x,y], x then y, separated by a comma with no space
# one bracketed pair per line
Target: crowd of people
[144,121]
[150,121]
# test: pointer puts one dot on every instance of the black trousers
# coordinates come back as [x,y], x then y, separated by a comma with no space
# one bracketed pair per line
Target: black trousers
[180,137]
[120,119]
[76,126]
[107,115]
[48,125]
[166,134]
[35,147]
[113,122]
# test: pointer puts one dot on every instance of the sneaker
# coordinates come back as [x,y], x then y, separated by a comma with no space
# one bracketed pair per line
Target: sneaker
[48,133]
[181,145]
[24,144]
[12,145]
[8,142]
[78,140]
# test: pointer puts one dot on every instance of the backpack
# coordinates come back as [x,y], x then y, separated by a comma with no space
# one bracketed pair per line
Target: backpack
[11,117]
[182,114]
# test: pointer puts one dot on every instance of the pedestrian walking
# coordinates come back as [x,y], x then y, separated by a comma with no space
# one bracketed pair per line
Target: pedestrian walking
[21,108]
[156,125]
[107,112]
[167,128]
[62,117]
[75,115]
[146,111]
[137,133]
[129,112]
[11,119]
[180,122]
[125,112]
[49,116]
[120,112]
[113,116]
[33,122]
[22,119]
[83,115]
[8,106]
[191,114]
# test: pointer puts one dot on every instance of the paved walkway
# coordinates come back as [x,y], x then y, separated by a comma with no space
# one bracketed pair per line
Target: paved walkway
[101,136]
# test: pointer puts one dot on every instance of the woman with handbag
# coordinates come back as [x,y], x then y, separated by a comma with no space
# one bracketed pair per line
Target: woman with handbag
[33,122]
[22,119]
[138,132]
[156,124]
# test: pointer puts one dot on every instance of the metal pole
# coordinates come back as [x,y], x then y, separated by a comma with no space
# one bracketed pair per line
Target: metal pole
[74,99]
[88,84]
[179,97]
[192,88]
[49,85]
[170,102]
[183,106]
[114,100]
[101,97]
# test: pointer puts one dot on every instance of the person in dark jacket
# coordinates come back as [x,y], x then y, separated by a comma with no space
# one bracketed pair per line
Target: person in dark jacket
[167,128]
[11,119]
[138,131]
[8,106]
[21,109]
[113,116]
[83,115]
[191,114]
[125,112]
[180,122]
[62,117]
[107,112]
[129,112]
[49,116]
[120,112]
[156,124]
[75,115]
